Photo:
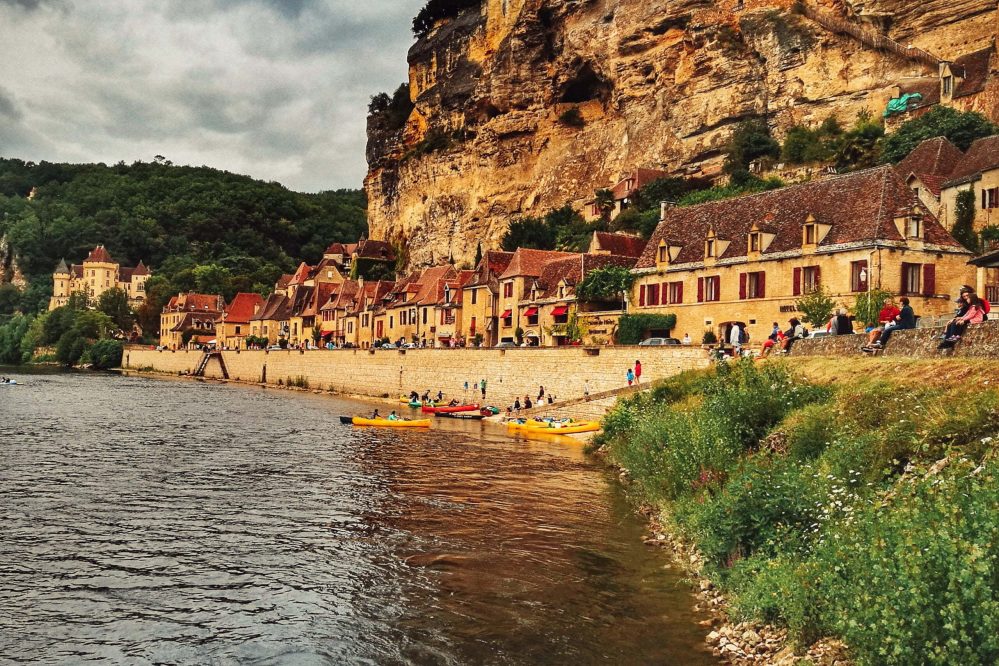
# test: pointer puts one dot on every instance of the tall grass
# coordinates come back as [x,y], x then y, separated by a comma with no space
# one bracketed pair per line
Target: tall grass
[815,507]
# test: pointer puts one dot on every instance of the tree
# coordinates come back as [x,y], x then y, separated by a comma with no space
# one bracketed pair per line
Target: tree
[816,307]
[607,283]
[114,303]
[751,140]
[105,354]
[213,279]
[529,232]
[438,10]
[478,255]
[960,127]
[861,146]
[867,307]
[605,203]
[964,220]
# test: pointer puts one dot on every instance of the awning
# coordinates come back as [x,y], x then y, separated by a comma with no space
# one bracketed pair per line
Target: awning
[531,312]
[560,311]
[506,314]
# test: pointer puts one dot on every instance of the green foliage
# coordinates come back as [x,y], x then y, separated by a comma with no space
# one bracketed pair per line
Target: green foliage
[105,354]
[964,220]
[816,307]
[175,219]
[860,147]
[392,112]
[438,10]
[816,508]
[114,303]
[607,283]
[867,306]
[572,118]
[802,144]
[257,341]
[631,328]
[750,140]
[12,333]
[560,228]
[709,337]
[750,185]
[960,127]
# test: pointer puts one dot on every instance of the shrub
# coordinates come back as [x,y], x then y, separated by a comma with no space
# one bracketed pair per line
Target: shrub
[631,328]
[709,338]
[960,127]
[105,354]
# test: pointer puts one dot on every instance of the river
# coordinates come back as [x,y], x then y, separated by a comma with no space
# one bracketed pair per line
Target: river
[177,522]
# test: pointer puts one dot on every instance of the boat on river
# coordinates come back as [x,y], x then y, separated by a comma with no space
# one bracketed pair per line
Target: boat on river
[555,428]
[471,416]
[391,423]
[12,382]
[449,410]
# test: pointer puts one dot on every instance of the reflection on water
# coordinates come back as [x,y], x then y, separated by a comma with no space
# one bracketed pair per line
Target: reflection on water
[150,522]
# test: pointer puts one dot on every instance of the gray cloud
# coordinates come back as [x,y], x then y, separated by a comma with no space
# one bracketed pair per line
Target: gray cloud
[277,89]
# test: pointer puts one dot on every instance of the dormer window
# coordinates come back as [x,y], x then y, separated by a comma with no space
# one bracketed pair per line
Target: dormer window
[948,86]
[914,226]
[709,248]
[754,241]
[809,234]
[663,254]
[561,292]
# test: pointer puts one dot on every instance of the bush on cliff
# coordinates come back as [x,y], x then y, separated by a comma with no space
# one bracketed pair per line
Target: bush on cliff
[960,127]
[826,510]
[438,10]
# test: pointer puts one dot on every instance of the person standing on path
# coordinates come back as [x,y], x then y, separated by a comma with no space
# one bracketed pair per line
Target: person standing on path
[630,375]
[638,372]
[482,385]
[541,393]
[735,339]
[586,388]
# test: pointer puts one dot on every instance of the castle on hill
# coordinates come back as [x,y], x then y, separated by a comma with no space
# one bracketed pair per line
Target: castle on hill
[97,274]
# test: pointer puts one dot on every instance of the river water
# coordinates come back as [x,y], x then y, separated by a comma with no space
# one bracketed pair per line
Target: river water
[174,522]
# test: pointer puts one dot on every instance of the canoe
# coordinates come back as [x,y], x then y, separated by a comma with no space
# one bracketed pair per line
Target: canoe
[386,423]
[450,410]
[465,415]
[568,429]
[549,424]
[346,420]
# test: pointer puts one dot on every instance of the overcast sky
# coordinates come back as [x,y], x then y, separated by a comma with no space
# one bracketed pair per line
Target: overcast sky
[277,89]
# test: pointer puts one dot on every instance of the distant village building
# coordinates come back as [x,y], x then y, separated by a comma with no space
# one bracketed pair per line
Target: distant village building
[962,84]
[480,297]
[233,325]
[97,274]
[749,259]
[622,194]
[190,319]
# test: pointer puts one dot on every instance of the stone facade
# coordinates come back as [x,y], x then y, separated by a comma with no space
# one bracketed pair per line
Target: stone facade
[97,274]
[509,373]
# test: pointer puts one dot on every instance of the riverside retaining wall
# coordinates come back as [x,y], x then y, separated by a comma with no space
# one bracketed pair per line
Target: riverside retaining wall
[979,341]
[509,373]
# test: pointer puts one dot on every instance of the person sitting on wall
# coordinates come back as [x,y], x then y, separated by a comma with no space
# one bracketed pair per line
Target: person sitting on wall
[887,316]
[840,324]
[905,319]
[972,312]
[775,340]
[795,332]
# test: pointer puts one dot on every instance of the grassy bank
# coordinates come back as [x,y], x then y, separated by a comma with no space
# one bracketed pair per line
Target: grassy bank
[856,501]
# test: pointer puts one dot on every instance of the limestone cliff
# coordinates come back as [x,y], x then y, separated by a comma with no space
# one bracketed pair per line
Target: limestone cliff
[658,83]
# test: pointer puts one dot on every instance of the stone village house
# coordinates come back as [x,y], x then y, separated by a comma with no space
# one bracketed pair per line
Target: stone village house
[97,274]
[749,259]
[192,314]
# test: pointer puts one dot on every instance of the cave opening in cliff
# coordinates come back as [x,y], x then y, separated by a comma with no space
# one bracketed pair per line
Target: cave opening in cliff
[585,86]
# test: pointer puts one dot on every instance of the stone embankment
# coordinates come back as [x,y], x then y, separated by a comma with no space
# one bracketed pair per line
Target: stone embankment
[979,341]
[509,373]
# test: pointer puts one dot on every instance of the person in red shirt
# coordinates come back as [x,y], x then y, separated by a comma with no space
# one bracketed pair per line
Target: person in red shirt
[887,314]
[638,372]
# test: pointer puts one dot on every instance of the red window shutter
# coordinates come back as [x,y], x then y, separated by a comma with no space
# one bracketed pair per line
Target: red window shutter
[797,282]
[641,295]
[818,277]
[655,294]
[664,293]
[929,279]
[679,292]
[904,289]
[742,286]
[717,280]
[761,284]
[700,290]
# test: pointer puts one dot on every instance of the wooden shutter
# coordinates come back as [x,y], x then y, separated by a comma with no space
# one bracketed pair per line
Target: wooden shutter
[761,284]
[929,279]
[717,280]
[904,288]
[818,277]
[700,290]
[654,294]
[742,286]
[641,295]
[797,282]
[679,292]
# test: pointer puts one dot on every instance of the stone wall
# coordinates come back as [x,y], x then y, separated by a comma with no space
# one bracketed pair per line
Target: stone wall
[509,373]
[979,341]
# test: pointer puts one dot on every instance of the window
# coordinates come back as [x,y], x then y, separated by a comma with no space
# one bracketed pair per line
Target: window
[471,324]
[754,241]
[708,289]
[447,316]
[391,322]
[402,318]
[238,330]
[990,198]
[858,276]
[948,85]
[752,285]
[424,316]
[364,320]
[675,292]
[913,225]
[911,278]
[709,248]
[508,290]
[663,254]
[532,319]
[475,293]
[810,279]
[350,327]
[810,234]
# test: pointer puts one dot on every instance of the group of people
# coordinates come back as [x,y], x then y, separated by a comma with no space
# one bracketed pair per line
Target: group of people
[6,380]
[633,375]
[971,309]
[543,397]
[890,319]
[391,417]
[780,341]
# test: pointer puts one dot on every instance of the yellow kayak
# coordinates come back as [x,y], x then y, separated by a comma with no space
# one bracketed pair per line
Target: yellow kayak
[387,423]
[568,429]
[550,424]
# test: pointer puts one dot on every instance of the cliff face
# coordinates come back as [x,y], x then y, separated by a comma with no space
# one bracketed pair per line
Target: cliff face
[658,83]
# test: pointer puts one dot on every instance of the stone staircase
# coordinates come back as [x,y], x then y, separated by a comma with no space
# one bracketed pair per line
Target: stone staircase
[594,406]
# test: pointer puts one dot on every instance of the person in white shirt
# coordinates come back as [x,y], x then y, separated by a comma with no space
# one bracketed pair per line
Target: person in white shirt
[735,339]
[686,338]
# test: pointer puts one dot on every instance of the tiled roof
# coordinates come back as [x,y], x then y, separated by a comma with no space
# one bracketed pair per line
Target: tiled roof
[983,155]
[62,267]
[634,181]
[528,262]
[860,207]
[343,293]
[99,255]
[140,269]
[931,162]
[574,269]
[77,270]
[300,304]
[191,302]
[276,307]
[973,68]
[303,273]
[125,274]
[205,319]
[928,88]
[431,283]
[623,245]
[284,281]
[374,249]
[492,264]
[242,308]
[336,248]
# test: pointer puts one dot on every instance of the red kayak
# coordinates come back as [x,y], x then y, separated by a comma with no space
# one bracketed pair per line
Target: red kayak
[449,410]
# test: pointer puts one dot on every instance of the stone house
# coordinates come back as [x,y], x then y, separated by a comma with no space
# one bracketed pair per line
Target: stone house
[621,245]
[359,313]
[551,301]
[190,312]
[333,313]
[926,168]
[97,274]
[450,327]
[272,320]
[749,259]
[480,298]
[977,171]
[514,285]
[233,325]
[623,193]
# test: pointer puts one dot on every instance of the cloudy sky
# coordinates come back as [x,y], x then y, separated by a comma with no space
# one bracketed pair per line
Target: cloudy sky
[277,89]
